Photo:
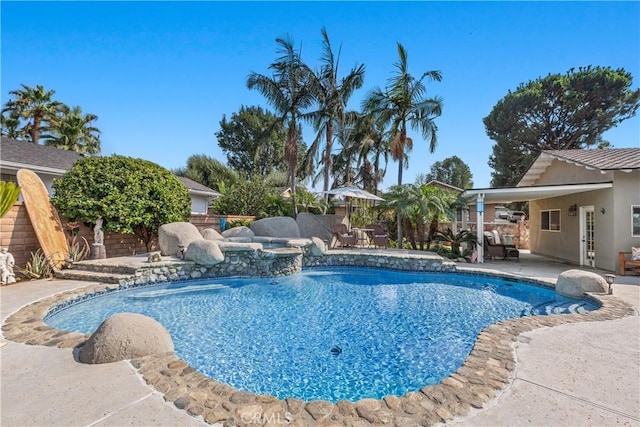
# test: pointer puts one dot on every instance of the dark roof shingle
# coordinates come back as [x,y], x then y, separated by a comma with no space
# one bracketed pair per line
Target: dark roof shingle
[27,153]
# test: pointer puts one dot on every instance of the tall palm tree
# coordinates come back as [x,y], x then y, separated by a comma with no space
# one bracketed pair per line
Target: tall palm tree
[288,91]
[373,145]
[331,96]
[71,130]
[36,105]
[403,103]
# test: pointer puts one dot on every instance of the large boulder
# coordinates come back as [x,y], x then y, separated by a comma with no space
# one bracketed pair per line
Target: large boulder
[318,246]
[574,283]
[240,231]
[175,234]
[279,226]
[211,234]
[311,225]
[204,252]
[126,336]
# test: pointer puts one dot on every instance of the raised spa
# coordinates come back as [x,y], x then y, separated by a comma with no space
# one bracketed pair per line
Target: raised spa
[333,334]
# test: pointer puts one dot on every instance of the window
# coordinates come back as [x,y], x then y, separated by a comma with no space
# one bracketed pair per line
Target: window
[635,221]
[550,220]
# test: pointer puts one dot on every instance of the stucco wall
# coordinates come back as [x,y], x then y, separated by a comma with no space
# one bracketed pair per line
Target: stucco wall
[565,244]
[560,172]
[626,194]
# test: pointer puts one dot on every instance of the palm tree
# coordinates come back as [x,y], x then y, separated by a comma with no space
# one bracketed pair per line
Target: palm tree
[71,130]
[404,104]
[10,125]
[287,90]
[373,146]
[34,105]
[332,97]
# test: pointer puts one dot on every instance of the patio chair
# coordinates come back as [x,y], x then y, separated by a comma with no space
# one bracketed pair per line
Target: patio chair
[343,236]
[380,236]
[493,249]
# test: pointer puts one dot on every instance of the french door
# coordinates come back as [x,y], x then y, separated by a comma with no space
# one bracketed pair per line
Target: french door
[587,236]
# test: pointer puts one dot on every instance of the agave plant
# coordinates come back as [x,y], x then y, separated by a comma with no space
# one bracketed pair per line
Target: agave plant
[78,249]
[455,239]
[39,267]
[9,193]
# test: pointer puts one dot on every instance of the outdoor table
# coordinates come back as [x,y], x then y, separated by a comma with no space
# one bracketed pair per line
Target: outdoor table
[365,236]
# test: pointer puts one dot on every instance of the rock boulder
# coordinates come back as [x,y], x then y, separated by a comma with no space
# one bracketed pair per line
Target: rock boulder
[240,231]
[211,234]
[175,234]
[204,252]
[279,226]
[126,336]
[574,283]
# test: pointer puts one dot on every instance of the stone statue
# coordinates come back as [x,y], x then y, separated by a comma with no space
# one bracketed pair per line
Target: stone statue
[98,234]
[6,267]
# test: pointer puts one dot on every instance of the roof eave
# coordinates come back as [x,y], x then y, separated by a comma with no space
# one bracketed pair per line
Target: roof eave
[43,169]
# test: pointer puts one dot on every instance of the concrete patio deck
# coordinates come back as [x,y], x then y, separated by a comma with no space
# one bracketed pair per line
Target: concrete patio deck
[585,374]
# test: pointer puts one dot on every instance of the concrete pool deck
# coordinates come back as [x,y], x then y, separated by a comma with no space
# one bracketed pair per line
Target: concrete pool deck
[575,374]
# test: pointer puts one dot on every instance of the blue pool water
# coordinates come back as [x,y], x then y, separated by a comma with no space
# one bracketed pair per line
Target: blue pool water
[325,334]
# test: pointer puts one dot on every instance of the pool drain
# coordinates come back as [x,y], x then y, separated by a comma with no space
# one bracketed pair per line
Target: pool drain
[336,350]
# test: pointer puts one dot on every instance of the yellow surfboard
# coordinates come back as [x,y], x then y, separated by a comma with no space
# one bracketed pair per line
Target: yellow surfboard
[44,217]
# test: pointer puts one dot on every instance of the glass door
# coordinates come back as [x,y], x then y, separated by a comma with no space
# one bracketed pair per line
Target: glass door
[587,236]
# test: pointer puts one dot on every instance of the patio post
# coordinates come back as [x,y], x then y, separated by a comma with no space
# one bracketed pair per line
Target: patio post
[480,226]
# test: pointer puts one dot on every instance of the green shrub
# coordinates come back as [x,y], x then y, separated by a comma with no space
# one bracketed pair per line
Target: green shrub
[133,196]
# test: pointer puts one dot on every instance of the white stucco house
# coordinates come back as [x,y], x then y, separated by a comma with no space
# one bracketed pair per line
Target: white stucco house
[584,205]
[50,163]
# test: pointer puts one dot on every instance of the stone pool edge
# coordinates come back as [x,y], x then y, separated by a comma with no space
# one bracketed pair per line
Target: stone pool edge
[488,369]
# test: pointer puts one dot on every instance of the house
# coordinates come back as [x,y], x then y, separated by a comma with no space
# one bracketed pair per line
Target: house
[201,196]
[584,205]
[47,162]
[50,163]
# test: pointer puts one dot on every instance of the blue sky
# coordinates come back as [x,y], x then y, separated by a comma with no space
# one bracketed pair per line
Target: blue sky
[160,75]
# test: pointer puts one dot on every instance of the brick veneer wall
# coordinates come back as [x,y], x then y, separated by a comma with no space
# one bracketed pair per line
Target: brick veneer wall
[16,234]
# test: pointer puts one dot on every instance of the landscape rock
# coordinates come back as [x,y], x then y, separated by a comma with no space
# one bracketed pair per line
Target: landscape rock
[211,234]
[574,283]
[240,231]
[126,336]
[280,226]
[311,225]
[317,247]
[204,252]
[175,234]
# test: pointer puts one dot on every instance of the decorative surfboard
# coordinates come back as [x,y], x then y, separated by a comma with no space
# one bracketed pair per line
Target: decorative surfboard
[44,217]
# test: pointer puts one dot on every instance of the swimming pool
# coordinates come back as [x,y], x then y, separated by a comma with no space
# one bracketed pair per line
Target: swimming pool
[325,334]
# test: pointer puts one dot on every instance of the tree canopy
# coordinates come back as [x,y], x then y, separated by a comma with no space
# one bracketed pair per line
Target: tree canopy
[32,111]
[253,141]
[132,196]
[208,172]
[452,171]
[557,112]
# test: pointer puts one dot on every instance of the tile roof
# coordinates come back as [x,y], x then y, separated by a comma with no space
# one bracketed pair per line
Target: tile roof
[13,151]
[603,159]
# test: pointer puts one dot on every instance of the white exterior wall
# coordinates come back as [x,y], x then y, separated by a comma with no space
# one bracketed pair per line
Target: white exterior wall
[199,204]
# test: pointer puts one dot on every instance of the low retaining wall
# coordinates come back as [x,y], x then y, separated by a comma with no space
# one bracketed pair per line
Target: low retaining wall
[392,261]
